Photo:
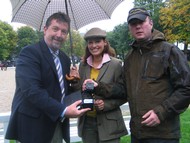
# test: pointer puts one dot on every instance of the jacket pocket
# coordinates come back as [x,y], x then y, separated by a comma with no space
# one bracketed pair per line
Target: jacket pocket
[115,122]
[154,66]
[29,110]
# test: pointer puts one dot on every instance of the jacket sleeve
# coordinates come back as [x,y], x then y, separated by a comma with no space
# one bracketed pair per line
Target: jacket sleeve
[110,104]
[112,90]
[179,99]
[116,89]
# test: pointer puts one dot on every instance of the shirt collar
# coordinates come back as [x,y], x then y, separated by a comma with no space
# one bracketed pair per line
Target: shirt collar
[105,59]
[52,52]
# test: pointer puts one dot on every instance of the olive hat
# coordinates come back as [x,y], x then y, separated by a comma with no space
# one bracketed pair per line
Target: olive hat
[95,33]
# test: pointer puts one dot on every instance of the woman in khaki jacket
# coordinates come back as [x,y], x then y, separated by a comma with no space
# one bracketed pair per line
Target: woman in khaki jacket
[105,123]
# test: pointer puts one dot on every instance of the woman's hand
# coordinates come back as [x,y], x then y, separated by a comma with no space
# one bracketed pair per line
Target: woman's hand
[90,81]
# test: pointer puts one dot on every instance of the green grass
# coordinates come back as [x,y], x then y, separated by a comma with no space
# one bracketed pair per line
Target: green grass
[185,127]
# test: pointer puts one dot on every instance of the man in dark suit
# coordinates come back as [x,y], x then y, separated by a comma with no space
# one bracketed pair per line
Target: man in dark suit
[39,115]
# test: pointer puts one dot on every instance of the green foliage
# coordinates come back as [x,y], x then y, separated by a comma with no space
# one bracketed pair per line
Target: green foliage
[175,19]
[78,44]
[26,36]
[40,34]
[120,39]
[8,39]
[3,42]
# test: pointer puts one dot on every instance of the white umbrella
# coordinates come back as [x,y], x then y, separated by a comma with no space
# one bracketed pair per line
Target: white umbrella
[81,12]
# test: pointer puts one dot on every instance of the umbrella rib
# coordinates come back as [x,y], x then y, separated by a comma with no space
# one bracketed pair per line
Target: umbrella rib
[102,9]
[43,15]
[73,15]
[17,10]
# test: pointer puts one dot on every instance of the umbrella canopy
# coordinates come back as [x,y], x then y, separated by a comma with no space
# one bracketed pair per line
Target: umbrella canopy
[81,12]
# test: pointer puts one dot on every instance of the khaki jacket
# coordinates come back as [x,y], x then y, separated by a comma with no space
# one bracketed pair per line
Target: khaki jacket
[110,121]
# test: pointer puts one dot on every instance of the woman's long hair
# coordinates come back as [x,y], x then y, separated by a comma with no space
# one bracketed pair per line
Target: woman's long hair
[106,50]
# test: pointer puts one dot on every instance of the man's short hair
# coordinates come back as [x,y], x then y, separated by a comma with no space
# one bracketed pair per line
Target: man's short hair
[59,16]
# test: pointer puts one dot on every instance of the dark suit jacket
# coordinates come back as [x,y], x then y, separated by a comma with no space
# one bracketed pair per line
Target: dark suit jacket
[36,106]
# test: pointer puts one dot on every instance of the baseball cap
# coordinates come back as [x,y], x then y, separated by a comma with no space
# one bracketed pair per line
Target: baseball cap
[137,13]
[95,33]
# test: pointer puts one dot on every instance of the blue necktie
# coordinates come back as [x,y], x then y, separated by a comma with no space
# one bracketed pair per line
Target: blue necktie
[59,73]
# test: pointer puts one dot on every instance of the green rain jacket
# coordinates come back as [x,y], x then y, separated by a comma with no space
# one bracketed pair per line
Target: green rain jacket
[157,78]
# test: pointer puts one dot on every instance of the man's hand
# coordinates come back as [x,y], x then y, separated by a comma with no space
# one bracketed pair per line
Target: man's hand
[99,104]
[150,119]
[73,112]
[74,74]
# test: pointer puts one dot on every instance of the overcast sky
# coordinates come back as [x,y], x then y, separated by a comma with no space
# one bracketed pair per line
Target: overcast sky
[119,16]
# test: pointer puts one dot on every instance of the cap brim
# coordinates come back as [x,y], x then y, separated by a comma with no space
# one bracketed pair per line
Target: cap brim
[94,37]
[141,17]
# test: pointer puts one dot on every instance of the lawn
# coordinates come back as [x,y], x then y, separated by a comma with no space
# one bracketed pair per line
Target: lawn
[185,129]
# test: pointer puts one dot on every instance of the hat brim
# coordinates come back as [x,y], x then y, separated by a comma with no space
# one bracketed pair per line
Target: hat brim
[94,37]
[141,17]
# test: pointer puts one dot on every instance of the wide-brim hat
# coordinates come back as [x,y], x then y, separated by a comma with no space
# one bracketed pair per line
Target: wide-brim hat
[95,33]
[137,13]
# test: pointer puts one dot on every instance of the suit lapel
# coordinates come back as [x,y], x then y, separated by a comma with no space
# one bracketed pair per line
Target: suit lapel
[47,55]
[103,71]
[87,72]
[63,63]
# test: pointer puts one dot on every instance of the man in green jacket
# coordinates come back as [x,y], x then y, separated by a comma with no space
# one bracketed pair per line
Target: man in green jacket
[157,79]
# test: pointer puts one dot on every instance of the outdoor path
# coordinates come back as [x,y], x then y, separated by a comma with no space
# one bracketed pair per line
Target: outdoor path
[7,89]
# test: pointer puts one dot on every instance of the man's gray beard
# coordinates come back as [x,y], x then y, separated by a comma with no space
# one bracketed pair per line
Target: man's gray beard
[56,46]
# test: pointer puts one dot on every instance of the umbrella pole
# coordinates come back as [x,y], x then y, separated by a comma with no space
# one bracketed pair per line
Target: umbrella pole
[71,47]
[70,37]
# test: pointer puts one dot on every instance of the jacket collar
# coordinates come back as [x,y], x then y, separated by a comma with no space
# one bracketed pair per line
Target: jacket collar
[106,58]
[156,36]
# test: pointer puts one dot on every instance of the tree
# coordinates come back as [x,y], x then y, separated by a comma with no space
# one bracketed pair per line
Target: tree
[26,36]
[78,44]
[40,34]
[120,39]
[175,18]
[8,40]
